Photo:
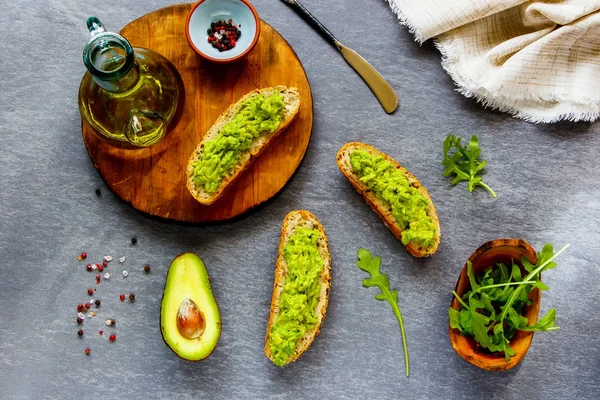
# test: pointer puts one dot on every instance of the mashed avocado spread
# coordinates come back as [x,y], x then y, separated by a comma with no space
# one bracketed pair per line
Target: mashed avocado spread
[256,115]
[300,294]
[409,206]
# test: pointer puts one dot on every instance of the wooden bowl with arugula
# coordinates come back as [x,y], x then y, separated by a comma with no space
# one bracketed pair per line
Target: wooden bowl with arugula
[482,329]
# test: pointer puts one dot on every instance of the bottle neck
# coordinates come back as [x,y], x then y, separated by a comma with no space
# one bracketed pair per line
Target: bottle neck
[110,59]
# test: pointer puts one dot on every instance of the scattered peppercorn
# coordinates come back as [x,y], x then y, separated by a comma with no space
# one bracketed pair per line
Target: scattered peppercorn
[87,352]
[88,267]
[83,256]
[79,307]
[97,303]
[98,279]
[131,297]
[80,332]
[100,333]
[104,264]
[100,268]
[146,268]
[98,192]
[133,240]
[79,320]
[90,292]
[112,338]
[223,35]
[122,297]
[86,306]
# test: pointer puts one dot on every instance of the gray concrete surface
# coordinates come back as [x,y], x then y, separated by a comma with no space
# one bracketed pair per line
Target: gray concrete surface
[546,177]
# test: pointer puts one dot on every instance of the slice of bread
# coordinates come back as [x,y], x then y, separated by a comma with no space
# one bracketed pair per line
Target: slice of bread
[291,97]
[381,207]
[293,220]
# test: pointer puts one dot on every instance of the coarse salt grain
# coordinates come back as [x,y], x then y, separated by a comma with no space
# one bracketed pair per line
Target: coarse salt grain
[81,315]
[122,259]
[106,275]
[90,314]
[125,273]
[108,258]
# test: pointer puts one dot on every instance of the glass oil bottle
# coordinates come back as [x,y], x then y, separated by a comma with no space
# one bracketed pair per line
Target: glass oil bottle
[130,96]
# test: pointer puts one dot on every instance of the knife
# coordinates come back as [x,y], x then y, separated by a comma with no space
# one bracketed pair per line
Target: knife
[380,87]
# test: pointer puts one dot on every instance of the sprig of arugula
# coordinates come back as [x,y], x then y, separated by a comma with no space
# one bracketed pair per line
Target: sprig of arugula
[491,311]
[371,265]
[463,162]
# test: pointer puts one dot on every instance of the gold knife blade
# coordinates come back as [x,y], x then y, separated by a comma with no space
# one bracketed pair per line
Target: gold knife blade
[380,87]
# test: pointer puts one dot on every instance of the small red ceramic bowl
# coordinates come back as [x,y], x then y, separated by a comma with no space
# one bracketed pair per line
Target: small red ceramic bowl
[205,12]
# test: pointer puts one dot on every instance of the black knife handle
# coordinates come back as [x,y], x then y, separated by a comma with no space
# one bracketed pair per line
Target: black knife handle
[314,22]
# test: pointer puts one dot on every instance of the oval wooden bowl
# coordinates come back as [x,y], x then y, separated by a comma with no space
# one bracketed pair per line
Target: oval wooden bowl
[487,255]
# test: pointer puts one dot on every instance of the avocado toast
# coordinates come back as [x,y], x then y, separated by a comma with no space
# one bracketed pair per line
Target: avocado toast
[399,199]
[300,290]
[237,138]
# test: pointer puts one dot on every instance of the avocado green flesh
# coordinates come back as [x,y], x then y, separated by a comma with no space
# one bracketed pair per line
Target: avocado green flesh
[256,115]
[409,206]
[300,294]
[188,279]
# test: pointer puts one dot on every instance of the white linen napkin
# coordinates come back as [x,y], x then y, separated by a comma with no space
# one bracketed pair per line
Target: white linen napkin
[539,60]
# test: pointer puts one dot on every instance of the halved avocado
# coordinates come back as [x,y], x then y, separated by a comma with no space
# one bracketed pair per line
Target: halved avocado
[190,321]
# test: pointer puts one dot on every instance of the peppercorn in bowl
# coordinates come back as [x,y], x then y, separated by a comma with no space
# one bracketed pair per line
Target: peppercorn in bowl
[222,31]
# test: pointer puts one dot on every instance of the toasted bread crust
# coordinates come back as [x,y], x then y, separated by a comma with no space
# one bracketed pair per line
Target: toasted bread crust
[381,207]
[293,220]
[292,101]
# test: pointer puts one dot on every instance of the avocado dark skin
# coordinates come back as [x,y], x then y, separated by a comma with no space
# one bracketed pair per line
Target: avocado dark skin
[190,321]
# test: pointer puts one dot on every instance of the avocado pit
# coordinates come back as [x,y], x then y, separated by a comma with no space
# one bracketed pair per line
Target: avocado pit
[190,321]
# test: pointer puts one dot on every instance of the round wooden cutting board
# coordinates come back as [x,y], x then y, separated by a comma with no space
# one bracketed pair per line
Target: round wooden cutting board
[152,179]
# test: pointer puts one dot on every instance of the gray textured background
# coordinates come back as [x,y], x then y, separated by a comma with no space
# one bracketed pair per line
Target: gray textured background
[546,177]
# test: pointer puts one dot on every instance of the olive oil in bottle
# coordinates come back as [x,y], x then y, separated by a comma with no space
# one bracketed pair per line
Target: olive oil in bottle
[129,96]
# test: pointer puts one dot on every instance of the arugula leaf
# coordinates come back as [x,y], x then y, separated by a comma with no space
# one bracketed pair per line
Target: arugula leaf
[508,351]
[540,285]
[488,276]
[513,318]
[463,162]
[516,272]
[471,275]
[453,316]
[503,272]
[474,302]
[480,322]
[487,303]
[371,265]
[544,324]
[497,289]
[544,262]
[545,257]
[464,317]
